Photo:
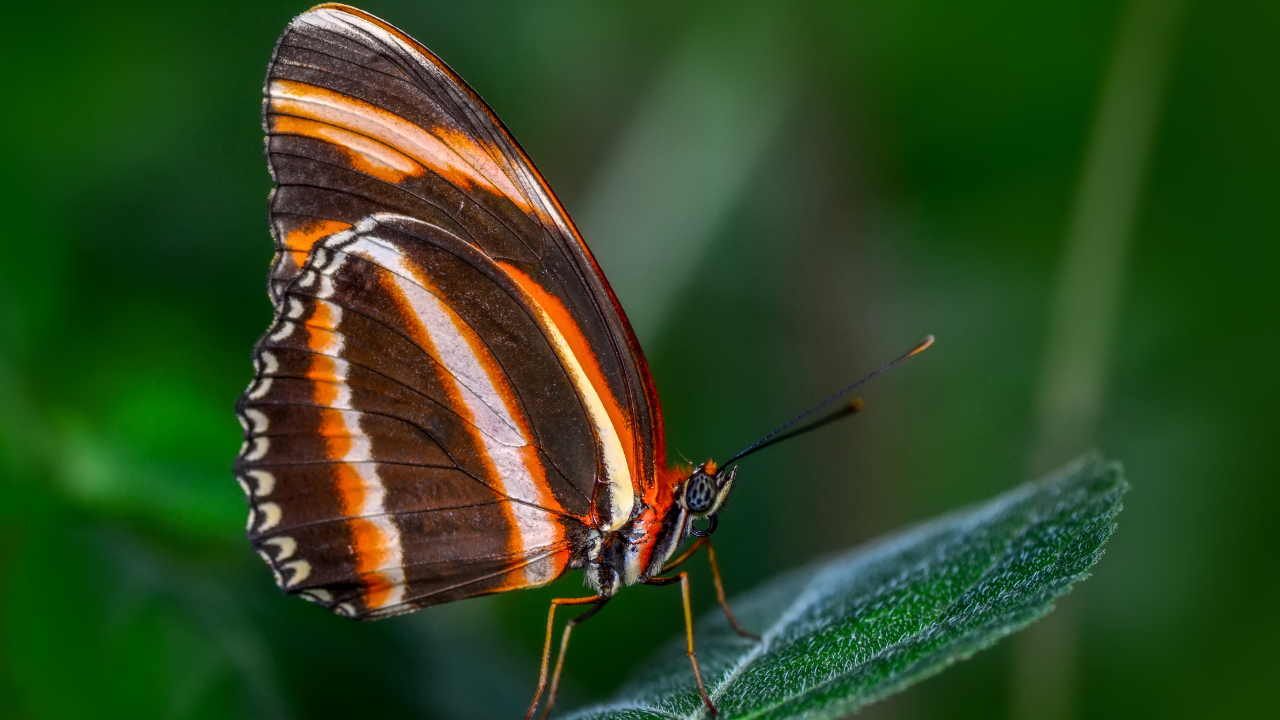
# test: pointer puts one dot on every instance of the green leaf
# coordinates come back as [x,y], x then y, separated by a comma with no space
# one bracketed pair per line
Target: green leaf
[851,630]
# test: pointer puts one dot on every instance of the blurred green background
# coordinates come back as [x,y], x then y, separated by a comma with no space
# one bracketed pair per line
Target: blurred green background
[783,195]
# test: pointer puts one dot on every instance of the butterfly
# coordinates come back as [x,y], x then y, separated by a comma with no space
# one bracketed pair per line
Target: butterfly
[450,401]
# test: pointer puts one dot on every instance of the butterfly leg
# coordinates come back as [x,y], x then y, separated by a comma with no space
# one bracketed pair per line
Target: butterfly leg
[697,545]
[683,579]
[546,645]
[564,645]
[715,573]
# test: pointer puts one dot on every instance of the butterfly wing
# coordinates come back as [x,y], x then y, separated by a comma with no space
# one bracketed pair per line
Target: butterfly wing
[362,119]
[413,433]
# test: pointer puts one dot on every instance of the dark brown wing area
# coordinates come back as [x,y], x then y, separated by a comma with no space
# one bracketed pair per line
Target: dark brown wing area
[412,436]
[361,119]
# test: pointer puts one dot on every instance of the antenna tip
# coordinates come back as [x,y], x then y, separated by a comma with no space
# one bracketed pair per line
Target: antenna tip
[924,345]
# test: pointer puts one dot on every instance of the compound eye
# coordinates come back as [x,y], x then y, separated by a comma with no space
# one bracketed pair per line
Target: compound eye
[700,494]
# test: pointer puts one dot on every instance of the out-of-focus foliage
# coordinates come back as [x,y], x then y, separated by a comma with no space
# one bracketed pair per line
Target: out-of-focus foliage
[785,194]
[851,630]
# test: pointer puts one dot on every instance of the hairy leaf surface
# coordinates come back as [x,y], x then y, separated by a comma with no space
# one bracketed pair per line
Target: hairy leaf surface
[847,631]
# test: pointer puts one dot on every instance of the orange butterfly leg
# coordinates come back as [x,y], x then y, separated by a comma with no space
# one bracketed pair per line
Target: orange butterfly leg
[683,579]
[564,645]
[697,545]
[715,573]
[599,601]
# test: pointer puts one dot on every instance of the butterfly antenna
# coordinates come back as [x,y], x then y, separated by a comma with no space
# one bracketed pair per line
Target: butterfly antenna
[777,435]
[850,408]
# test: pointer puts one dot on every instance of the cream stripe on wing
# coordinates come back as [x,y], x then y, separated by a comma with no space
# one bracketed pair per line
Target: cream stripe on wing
[375,539]
[616,468]
[478,384]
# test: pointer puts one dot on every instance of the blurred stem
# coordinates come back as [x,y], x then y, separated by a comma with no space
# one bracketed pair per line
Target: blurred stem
[1086,304]
[1088,296]
[26,445]
[678,169]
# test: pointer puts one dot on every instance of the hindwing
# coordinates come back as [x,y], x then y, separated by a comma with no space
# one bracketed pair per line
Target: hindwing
[412,436]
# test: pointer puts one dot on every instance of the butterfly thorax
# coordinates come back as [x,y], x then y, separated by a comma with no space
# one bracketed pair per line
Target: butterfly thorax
[659,524]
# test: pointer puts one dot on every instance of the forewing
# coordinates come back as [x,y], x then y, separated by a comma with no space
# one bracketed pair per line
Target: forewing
[362,119]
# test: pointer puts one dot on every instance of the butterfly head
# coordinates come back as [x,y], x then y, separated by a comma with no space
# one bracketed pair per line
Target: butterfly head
[704,492]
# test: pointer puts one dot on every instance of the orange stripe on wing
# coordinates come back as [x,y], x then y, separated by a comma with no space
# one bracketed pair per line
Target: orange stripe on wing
[481,153]
[298,239]
[579,359]
[452,155]
[375,540]
[365,154]
[322,335]
[511,465]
